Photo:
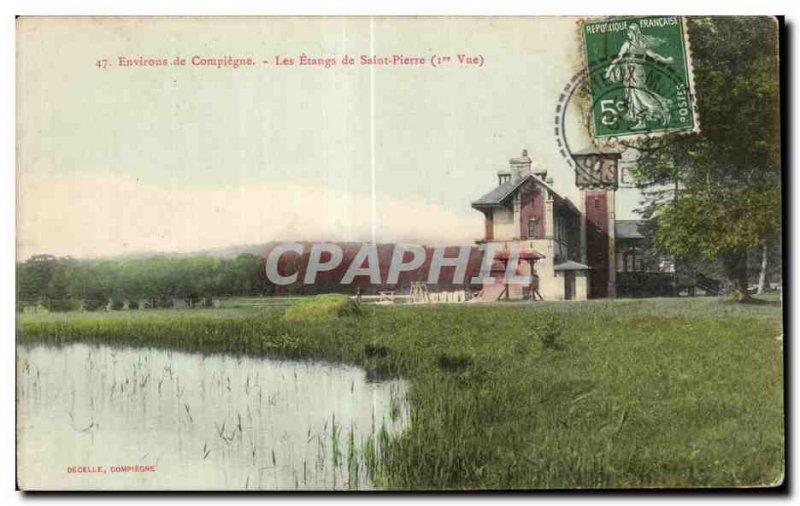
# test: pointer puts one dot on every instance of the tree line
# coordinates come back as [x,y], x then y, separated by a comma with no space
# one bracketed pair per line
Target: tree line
[720,190]
[62,284]
[66,284]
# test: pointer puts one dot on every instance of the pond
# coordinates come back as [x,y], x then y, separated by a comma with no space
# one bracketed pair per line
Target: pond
[96,417]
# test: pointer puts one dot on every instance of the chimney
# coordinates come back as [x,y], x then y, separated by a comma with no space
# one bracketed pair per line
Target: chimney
[503,175]
[520,167]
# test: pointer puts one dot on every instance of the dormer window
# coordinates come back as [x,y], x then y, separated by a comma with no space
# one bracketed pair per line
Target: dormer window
[503,177]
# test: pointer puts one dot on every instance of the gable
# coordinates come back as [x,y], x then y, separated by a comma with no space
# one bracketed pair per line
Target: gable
[507,190]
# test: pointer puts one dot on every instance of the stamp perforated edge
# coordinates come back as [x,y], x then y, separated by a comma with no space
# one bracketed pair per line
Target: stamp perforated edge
[586,106]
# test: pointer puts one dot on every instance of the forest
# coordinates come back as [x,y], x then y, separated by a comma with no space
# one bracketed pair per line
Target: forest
[195,280]
[64,284]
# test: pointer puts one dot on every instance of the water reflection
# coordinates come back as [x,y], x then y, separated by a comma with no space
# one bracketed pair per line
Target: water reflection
[89,415]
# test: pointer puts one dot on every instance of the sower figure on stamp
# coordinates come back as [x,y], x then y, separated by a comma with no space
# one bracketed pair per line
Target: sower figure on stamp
[628,68]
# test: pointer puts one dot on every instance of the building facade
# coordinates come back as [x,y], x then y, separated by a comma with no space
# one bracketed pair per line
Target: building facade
[574,251]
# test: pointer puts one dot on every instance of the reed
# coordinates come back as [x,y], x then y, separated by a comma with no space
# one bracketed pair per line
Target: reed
[653,393]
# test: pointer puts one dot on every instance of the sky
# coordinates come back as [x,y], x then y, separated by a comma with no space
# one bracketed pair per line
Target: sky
[123,160]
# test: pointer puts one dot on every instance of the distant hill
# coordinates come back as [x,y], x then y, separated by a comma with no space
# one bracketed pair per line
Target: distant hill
[191,274]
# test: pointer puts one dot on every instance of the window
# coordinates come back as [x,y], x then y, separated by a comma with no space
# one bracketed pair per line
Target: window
[561,229]
[634,260]
[630,261]
[533,229]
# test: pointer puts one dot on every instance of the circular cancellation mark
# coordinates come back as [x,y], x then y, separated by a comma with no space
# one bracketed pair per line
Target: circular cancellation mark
[637,103]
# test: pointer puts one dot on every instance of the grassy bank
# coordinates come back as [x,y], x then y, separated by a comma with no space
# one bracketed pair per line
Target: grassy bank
[665,392]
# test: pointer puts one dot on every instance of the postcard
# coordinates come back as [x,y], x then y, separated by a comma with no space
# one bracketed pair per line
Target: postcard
[399,253]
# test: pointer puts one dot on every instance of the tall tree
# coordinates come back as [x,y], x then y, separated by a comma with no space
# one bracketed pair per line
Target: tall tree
[34,277]
[724,182]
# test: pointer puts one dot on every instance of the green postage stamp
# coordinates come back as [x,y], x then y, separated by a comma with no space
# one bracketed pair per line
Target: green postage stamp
[640,76]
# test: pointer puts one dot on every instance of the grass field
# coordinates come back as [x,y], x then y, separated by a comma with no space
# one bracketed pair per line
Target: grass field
[627,393]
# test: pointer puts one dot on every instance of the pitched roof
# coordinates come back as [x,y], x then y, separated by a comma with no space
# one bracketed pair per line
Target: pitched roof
[526,254]
[507,189]
[571,265]
[630,229]
[499,194]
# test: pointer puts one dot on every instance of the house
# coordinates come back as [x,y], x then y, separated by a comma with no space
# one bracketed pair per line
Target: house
[640,274]
[524,213]
[574,251]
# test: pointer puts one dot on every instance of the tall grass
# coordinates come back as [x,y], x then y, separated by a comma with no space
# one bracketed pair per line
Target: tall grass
[322,306]
[611,394]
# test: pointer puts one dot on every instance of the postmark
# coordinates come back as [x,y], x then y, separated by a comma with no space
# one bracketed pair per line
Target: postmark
[625,102]
[596,160]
